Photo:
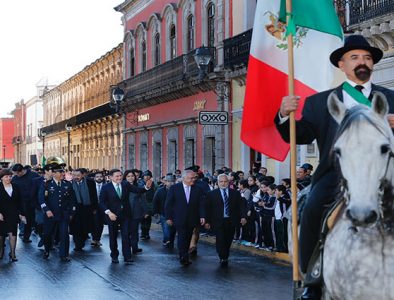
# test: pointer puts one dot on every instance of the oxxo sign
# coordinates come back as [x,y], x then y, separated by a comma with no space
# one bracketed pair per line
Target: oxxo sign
[213,118]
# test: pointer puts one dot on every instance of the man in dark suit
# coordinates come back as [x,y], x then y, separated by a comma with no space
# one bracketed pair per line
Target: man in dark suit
[184,209]
[356,59]
[57,199]
[87,205]
[99,215]
[225,210]
[114,201]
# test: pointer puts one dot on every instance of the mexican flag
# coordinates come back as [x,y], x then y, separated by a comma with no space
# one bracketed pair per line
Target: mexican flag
[267,79]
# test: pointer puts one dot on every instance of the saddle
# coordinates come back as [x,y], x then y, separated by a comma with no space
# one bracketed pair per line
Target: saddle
[314,274]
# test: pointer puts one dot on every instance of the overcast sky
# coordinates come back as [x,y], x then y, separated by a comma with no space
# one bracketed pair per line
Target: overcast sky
[52,39]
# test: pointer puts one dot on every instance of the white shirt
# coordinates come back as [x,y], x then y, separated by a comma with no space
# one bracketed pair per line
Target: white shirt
[187,189]
[8,189]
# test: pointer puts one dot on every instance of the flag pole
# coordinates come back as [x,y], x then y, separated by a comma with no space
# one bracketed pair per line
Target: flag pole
[293,154]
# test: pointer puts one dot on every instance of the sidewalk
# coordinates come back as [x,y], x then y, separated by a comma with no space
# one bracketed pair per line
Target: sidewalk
[276,256]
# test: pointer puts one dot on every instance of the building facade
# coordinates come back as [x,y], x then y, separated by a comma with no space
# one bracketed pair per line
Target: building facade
[164,89]
[7,147]
[79,124]
[19,137]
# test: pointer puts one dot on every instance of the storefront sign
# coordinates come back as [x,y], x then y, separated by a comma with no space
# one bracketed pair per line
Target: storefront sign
[200,104]
[143,118]
[213,118]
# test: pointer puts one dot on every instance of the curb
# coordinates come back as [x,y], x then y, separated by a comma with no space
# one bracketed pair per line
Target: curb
[275,256]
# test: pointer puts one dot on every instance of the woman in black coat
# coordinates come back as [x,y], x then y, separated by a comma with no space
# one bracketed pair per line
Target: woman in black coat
[139,210]
[11,212]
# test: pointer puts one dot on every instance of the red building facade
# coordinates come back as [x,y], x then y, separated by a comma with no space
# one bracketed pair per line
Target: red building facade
[19,132]
[164,91]
[6,146]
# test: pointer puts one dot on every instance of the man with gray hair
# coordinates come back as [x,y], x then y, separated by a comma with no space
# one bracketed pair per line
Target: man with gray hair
[225,210]
[185,209]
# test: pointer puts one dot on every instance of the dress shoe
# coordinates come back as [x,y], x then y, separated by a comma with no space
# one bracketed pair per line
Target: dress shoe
[45,255]
[185,262]
[96,244]
[311,293]
[139,250]
[65,259]
[40,243]
[128,261]
[27,241]
[78,249]
[145,237]
[115,260]
[224,263]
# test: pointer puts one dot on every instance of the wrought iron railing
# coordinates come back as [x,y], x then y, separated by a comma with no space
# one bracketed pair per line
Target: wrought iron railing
[362,10]
[168,73]
[236,50]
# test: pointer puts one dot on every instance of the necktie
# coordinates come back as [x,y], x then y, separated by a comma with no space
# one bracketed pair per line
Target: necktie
[118,191]
[98,189]
[359,88]
[226,204]
[59,184]
[187,193]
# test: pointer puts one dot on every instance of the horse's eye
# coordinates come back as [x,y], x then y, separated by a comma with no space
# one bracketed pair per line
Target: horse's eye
[337,152]
[384,149]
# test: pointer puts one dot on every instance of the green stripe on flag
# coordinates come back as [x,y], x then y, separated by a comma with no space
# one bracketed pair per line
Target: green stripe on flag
[318,15]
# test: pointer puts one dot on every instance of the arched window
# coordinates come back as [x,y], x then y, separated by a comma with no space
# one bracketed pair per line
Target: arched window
[143,56]
[172,42]
[190,33]
[211,24]
[132,62]
[157,49]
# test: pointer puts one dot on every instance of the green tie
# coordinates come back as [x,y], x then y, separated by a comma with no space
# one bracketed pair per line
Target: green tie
[118,191]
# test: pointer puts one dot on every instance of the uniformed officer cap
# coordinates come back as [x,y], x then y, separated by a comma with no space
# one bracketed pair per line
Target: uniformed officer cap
[307,166]
[147,173]
[57,168]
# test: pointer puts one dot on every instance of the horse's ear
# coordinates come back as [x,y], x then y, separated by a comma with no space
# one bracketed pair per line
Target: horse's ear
[336,108]
[379,104]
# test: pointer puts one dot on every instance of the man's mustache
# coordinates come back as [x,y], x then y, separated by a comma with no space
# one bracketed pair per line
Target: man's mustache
[359,67]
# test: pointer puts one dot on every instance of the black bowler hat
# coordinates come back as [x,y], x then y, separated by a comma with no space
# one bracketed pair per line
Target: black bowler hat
[355,42]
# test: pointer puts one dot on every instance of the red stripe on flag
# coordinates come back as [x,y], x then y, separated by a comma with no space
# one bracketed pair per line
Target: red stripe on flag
[265,88]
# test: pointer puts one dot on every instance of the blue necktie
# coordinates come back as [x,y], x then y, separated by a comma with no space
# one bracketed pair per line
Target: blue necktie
[226,204]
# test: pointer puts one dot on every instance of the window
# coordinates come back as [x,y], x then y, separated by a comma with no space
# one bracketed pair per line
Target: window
[143,56]
[190,33]
[132,62]
[172,42]
[157,49]
[211,25]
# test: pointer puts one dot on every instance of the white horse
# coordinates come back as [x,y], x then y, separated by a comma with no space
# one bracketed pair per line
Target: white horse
[359,250]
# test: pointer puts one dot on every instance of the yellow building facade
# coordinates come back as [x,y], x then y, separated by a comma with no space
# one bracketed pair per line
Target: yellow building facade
[79,124]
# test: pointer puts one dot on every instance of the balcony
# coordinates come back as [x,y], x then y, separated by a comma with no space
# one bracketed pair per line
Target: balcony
[365,10]
[171,80]
[236,51]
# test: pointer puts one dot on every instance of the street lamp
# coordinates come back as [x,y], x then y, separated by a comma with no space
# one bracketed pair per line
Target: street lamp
[203,58]
[43,134]
[68,129]
[117,97]
[4,146]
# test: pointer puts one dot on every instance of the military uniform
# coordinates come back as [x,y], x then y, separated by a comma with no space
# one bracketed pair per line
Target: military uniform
[59,198]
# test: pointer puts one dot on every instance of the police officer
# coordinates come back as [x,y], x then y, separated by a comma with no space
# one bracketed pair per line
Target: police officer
[57,199]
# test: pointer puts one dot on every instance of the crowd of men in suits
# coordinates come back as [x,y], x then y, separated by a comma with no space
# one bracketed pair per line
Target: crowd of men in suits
[61,203]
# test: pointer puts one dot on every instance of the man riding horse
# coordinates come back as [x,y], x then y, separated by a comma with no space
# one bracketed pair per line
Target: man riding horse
[356,59]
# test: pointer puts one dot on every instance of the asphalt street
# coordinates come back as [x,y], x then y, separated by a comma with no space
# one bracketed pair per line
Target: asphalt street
[155,274]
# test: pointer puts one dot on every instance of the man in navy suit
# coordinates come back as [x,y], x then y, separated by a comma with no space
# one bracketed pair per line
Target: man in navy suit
[114,201]
[356,59]
[184,209]
[225,210]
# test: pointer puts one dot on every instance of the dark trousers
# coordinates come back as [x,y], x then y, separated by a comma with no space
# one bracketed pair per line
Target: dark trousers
[113,229]
[145,226]
[286,233]
[133,229]
[267,228]
[322,194]
[224,237]
[82,225]
[98,225]
[49,230]
[30,214]
[279,235]
[183,242]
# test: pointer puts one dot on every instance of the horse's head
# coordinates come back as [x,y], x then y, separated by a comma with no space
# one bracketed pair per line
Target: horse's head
[364,148]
